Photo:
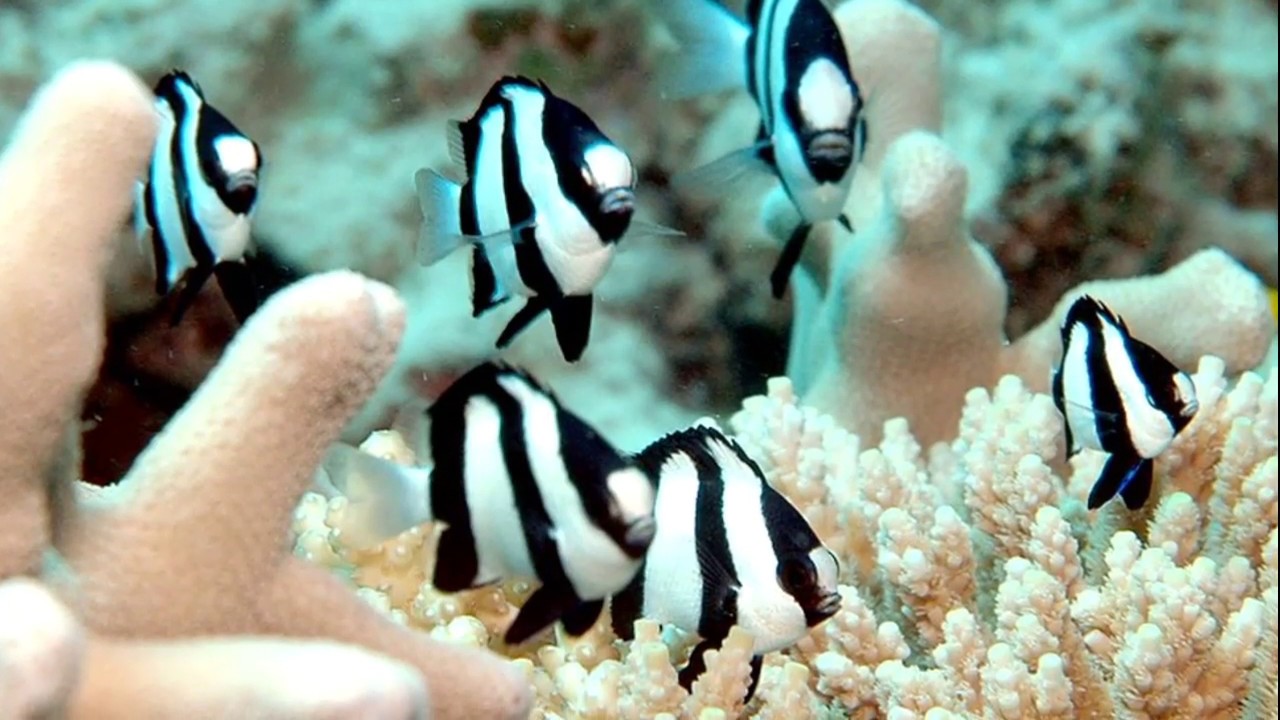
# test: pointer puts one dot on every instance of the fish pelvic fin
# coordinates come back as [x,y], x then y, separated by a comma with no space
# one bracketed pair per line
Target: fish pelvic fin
[787,261]
[1129,477]
[384,498]
[571,316]
[626,606]
[713,49]
[544,607]
[582,617]
[439,200]
[534,307]
[186,290]
[236,280]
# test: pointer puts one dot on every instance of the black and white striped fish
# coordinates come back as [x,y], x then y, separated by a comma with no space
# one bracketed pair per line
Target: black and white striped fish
[198,200]
[729,550]
[791,58]
[1120,396]
[524,488]
[547,197]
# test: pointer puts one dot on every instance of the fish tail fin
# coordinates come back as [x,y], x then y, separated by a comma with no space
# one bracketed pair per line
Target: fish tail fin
[384,498]
[441,231]
[713,48]
[1126,476]
[781,275]
[571,316]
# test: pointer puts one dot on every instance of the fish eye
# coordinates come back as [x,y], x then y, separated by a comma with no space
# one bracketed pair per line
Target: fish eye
[796,575]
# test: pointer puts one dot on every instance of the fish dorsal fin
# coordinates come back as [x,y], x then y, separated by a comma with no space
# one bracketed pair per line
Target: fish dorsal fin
[457,145]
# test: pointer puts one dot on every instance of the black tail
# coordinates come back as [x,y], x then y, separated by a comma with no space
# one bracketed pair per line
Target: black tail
[1129,477]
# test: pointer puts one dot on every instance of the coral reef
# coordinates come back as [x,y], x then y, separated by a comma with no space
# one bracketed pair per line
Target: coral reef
[174,593]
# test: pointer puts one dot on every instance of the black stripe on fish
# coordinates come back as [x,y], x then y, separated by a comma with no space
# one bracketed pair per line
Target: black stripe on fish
[448,435]
[568,133]
[532,267]
[169,90]
[811,36]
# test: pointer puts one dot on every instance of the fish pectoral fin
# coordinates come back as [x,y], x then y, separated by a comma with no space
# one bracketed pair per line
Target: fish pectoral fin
[439,199]
[1125,475]
[571,316]
[719,176]
[236,281]
[713,49]
[186,290]
[788,259]
[384,498]
[545,606]
[534,307]
[644,228]
[697,663]
[582,617]
[845,222]
[456,561]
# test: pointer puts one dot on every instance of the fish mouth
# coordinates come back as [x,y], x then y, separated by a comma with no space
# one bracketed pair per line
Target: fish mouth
[241,192]
[832,147]
[618,201]
[1190,409]
[639,536]
[828,606]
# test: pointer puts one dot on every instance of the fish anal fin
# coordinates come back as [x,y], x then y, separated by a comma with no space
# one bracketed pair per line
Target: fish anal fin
[582,617]
[571,316]
[486,292]
[540,611]
[697,663]
[533,307]
[456,561]
[757,664]
[1137,486]
[788,259]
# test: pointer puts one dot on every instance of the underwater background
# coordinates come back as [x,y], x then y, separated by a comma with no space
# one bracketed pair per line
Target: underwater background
[1022,148]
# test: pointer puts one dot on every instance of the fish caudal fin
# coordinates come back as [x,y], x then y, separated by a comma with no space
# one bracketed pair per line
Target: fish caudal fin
[571,316]
[582,617]
[384,498]
[787,261]
[525,315]
[1128,477]
[238,287]
[441,233]
[713,48]
[543,608]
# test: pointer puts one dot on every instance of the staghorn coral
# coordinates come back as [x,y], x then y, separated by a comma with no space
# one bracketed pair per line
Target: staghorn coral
[174,593]
[974,582]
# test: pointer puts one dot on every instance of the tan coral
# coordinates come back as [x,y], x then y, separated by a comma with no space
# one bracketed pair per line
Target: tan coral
[191,542]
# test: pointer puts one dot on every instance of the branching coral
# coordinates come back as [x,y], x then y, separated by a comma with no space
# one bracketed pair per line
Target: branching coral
[177,579]
[905,315]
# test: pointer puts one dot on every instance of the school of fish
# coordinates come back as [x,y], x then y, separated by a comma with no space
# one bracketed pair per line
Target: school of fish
[688,531]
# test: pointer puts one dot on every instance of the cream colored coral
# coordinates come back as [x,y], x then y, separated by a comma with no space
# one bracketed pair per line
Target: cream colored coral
[189,543]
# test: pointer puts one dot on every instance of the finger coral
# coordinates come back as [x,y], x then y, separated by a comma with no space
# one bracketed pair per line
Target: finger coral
[175,593]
